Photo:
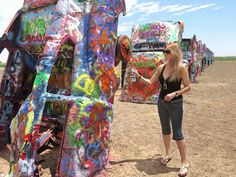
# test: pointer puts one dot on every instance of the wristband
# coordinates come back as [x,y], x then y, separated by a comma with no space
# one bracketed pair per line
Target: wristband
[176,94]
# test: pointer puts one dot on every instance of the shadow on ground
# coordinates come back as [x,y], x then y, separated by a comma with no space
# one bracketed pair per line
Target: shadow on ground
[149,166]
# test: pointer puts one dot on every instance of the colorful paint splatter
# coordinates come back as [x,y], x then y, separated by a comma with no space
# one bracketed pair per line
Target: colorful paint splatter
[63,55]
[148,41]
[151,36]
[136,91]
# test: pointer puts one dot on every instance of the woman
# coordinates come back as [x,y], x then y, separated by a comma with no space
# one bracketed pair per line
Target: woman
[170,102]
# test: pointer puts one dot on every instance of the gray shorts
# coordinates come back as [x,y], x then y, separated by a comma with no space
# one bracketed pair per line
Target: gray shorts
[171,112]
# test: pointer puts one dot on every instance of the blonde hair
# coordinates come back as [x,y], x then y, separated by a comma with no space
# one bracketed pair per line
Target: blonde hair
[177,56]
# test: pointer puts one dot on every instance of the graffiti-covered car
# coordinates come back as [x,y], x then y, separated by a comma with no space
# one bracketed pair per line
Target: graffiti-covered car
[186,49]
[194,65]
[148,41]
[60,69]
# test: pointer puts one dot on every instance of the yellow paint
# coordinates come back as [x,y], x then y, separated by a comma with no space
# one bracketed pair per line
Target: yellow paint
[29,123]
[89,84]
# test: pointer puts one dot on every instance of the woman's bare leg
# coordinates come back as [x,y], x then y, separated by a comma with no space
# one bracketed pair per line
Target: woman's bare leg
[182,150]
[184,164]
[167,139]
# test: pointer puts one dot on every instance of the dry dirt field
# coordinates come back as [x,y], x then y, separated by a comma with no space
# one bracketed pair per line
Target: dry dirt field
[209,128]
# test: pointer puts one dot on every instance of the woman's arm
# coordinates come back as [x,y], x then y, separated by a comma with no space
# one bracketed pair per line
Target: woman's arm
[186,81]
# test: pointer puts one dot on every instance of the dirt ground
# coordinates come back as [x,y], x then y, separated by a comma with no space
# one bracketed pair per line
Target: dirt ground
[209,129]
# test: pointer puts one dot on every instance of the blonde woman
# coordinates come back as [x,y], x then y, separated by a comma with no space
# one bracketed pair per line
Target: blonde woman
[170,103]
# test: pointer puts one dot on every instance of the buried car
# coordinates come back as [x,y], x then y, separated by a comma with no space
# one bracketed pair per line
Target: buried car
[148,41]
[60,73]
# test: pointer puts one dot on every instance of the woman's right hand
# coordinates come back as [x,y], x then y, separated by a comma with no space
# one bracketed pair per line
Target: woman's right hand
[134,70]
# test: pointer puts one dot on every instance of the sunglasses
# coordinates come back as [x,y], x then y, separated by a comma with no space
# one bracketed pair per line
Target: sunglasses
[167,51]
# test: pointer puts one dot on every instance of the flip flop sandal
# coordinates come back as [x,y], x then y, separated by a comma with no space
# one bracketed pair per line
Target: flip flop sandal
[184,170]
[165,160]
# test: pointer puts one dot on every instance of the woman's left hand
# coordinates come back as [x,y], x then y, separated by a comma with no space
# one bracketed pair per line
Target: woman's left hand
[169,96]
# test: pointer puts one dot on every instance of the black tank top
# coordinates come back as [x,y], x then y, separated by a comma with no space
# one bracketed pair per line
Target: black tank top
[168,86]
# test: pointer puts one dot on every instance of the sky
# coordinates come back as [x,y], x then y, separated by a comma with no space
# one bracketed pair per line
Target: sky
[212,21]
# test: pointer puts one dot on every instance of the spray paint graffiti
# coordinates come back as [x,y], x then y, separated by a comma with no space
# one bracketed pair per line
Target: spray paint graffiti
[194,60]
[186,49]
[199,57]
[208,55]
[194,52]
[34,31]
[148,41]
[156,33]
[73,45]
[146,64]
[123,54]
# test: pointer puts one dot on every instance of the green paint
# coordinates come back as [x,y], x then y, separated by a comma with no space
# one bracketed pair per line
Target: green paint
[40,27]
[71,130]
[96,91]
[41,78]
[145,64]
[145,27]
[151,64]
[34,28]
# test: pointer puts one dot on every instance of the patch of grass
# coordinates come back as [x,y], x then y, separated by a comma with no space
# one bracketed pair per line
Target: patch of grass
[229,58]
[2,65]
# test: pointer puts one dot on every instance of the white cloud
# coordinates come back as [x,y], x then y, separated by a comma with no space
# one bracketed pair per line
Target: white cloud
[150,7]
[143,19]
[130,4]
[147,8]
[200,7]
[7,12]
[193,9]
[179,8]
[8,9]
[218,8]
[124,27]
[4,56]
[169,7]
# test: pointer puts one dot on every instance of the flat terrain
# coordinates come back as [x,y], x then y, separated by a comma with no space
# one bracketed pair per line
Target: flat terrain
[209,128]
